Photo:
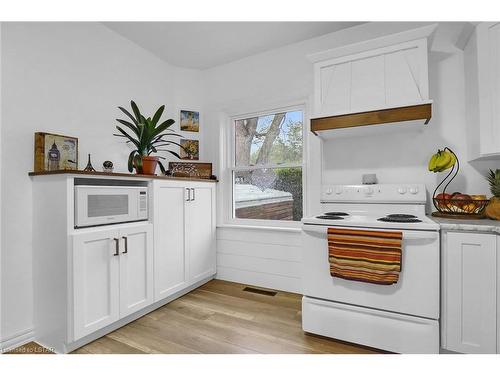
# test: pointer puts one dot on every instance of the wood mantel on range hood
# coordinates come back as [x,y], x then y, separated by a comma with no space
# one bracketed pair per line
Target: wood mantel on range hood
[418,113]
[381,82]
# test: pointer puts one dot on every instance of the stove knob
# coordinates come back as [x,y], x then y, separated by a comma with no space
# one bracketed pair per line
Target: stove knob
[329,191]
[338,190]
[413,190]
[402,190]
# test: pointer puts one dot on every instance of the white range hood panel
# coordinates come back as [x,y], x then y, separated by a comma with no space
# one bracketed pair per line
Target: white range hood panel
[378,79]
[392,76]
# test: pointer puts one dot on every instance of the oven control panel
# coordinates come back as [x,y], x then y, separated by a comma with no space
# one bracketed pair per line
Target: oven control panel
[390,193]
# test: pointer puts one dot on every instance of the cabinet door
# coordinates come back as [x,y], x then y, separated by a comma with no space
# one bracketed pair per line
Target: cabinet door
[95,281]
[484,70]
[470,261]
[170,273]
[200,233]
[136,268]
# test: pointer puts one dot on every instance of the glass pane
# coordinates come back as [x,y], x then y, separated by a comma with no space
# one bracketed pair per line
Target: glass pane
[268,194]
[270,139]
[107,205]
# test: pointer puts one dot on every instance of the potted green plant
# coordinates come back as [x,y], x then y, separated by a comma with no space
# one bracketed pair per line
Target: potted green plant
[148,136]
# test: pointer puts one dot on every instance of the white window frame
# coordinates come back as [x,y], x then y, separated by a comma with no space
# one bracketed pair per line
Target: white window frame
[229,218]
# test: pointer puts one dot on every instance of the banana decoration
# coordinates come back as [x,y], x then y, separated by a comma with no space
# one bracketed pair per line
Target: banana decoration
[441,161]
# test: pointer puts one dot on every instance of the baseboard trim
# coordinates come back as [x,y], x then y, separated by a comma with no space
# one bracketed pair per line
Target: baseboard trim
[261,279]
[16,340]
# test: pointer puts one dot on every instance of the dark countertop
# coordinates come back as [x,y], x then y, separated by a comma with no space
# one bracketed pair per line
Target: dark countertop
[105,174]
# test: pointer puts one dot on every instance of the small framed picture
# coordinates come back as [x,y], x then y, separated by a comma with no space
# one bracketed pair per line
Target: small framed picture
[54,152]
[190,121]
[190,149]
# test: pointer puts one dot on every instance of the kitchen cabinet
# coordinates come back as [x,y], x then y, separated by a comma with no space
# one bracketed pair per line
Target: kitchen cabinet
[136,268]
[469,283]
[112,276]
[96,281]
[170,269]
[90,281]
[200,233]
[482,81]
[184,235]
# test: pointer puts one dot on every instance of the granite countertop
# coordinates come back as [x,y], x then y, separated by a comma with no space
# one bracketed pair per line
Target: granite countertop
[478,225]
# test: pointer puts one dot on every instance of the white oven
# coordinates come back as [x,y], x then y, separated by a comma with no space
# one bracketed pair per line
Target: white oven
[416,293]
[105,201]
[401,317]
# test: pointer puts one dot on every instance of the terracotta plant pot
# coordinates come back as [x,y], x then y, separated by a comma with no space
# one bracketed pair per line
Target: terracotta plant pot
[149,164]
[493,209]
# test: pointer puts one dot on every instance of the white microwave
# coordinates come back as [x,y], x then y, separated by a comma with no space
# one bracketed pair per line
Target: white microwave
[103,202]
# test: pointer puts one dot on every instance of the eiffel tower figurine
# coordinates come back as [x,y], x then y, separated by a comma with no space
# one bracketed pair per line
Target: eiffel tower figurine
[89,167]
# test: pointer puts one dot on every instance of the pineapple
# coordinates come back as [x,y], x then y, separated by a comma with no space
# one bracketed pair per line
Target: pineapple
[493,208]
[494,180]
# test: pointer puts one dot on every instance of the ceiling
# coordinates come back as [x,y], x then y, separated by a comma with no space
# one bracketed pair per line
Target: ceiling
[203,45]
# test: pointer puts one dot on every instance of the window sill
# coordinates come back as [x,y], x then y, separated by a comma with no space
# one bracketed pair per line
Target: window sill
[294,229]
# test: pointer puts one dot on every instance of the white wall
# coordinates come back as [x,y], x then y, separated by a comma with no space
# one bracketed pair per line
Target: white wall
[68,78]
[268,258]
[285,76]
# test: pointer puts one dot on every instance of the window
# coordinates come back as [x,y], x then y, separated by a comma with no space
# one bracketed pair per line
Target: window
[267,166]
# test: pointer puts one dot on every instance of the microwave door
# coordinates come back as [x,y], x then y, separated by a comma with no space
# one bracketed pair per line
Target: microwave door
[105,205]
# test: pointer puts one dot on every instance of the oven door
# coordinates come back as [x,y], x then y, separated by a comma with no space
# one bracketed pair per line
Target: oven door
[416,293]
[101,205]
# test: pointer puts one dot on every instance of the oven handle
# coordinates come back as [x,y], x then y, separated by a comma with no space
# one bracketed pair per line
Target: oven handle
[414,235]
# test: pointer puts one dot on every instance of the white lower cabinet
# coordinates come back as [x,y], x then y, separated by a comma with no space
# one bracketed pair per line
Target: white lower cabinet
[96,282]
[136,269]
[112,276]
[184,235]
[90,281]
[170,259]
[200,233]
[469,304]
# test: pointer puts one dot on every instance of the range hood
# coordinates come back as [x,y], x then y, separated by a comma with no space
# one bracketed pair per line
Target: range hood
[376,84]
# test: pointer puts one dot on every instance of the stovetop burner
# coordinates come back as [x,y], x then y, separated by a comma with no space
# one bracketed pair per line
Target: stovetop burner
[336,213]
[330,217]
[400,218]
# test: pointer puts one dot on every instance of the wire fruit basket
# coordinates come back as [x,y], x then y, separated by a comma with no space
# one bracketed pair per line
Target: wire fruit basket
[460,208]
[457,205]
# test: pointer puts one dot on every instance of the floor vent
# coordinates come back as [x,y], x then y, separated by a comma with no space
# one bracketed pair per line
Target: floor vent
[260,291]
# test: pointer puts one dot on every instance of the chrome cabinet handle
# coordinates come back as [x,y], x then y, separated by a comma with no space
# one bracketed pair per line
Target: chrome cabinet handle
[117,247]
[194,196]
[125,240]
[189,194]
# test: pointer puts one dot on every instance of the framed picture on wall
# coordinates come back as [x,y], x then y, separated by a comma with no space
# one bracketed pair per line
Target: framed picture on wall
[54,152]
[190,149]
[190,121]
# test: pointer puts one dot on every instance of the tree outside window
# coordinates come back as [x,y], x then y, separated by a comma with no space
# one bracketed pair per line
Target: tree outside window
[267,171]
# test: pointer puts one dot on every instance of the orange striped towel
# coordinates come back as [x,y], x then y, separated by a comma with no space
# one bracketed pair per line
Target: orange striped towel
[365,255]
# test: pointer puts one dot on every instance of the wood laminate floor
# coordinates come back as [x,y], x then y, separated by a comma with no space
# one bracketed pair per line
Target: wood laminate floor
[219,317]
